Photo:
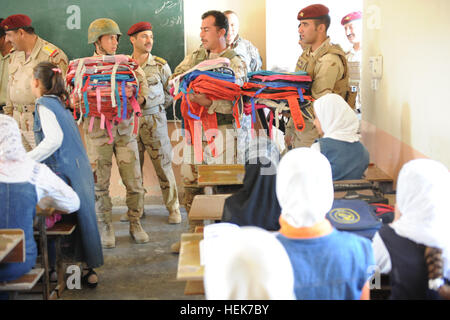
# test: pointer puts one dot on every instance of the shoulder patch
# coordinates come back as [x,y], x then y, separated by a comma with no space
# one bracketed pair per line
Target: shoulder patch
[51,51]
[160,60]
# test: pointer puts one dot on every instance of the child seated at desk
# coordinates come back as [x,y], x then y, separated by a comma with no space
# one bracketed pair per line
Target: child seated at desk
[251,265]
[328,264]
[422,220]
[338,125]
[59,145]
[256,203]
[24,184]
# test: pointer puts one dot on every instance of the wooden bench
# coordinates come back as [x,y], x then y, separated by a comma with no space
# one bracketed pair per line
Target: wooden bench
[12,245]
[207,208]
[189,268]
[24,283]
[59,230]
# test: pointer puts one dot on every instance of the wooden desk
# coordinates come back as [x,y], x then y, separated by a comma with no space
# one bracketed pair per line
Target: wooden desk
[12,245]
[223,174]
[189,268]
[207,207]
[379,178]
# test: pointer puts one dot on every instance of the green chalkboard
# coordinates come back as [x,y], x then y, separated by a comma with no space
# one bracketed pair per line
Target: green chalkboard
[65,23]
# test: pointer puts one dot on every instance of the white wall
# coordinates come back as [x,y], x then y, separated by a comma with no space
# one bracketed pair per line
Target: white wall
[282,48]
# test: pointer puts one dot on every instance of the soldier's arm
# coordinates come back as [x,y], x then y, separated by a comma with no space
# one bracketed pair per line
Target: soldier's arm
[328,70]
[8,108]
[143,86]
[165,76]
[184,66]
[59,59]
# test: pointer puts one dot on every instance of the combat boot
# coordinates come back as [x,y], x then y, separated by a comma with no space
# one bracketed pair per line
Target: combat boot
[175,217]
[107,235]
[137,232]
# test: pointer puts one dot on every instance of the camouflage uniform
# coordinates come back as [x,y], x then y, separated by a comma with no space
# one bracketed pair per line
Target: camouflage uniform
[20,99]
[4,62]
[125,150]
[327,66]
[153,132]
[248,53]
[223,109]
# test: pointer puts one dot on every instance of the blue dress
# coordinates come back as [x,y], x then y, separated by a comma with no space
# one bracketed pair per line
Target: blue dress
[70,162]
[349,160]
[17,211]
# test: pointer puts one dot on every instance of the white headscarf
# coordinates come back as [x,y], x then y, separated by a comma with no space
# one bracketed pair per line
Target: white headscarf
[337,119]
[253,266]
[304,187]
[423,199]
[13,156]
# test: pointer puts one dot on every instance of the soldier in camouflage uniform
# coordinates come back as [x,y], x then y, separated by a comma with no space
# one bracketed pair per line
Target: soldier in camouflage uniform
[28,51]
[104,33]
[213,35]
[153,132]
[324,62]
[5,54]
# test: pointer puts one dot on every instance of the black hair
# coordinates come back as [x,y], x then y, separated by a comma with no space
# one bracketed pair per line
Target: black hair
[52,80]
[326,20]
[221,20]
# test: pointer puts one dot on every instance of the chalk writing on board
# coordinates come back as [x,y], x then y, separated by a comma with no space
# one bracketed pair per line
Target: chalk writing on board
[74,20]
[172,21]
[167,5]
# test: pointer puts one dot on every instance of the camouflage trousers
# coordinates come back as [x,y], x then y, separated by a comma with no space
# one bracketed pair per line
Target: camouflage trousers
[154,138]
[125,150]
[226,153]
[25,120]
[302,139]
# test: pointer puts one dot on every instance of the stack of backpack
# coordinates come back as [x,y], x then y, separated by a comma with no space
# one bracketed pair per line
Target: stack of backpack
[97,87]
[216,86]
[291,88]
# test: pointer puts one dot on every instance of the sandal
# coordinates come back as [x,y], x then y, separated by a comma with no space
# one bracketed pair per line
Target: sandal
[85,278]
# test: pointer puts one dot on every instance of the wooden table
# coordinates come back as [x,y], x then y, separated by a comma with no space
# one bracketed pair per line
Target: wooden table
[189,268]
[207,207]
[219,175]
[12,245]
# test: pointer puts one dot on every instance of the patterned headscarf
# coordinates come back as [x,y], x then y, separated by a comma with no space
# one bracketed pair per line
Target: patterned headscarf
[11,147]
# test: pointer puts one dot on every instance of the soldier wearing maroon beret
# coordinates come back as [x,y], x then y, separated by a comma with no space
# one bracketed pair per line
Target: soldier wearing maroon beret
[153,135]
[324,62]
[28,51]
[353,30]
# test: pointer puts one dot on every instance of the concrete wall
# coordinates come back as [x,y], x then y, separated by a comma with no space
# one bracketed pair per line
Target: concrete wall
[408,116]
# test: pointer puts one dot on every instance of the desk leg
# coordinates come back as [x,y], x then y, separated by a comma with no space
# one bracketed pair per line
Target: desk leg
[194,288]
[44,253]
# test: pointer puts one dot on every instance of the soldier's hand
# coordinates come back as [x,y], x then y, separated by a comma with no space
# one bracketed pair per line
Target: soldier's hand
[129,91]
[200,99]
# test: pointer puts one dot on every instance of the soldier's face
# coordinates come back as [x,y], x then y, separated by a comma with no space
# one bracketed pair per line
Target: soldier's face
[353,31]
[233,27]
[308,31]
[107,44]
[210,34]
[15,38]
[143,41]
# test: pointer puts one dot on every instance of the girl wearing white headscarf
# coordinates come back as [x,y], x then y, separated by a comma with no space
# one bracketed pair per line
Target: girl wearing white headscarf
[328,264]
[338,125]
[423,220]
[253,265]
[24,184]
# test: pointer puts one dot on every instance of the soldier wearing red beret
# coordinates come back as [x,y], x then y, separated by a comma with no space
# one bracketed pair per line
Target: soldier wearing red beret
[153,123]
[5,54]
[28,51]
[324,62]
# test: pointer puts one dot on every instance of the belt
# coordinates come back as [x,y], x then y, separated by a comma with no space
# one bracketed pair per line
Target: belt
[24,109]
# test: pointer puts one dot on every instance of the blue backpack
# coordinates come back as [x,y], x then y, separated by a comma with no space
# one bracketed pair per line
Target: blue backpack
[354,216]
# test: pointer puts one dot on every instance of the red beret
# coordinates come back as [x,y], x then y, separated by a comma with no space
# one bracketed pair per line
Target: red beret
[16,21]
[313,11]
[138,27]
[351,16]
